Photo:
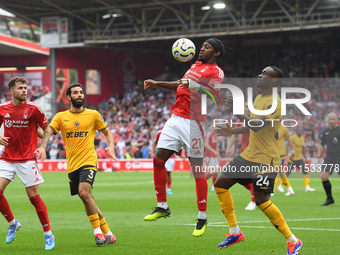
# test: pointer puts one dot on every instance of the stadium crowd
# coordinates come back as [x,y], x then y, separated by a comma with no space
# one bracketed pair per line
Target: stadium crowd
[135,116]
[33,92]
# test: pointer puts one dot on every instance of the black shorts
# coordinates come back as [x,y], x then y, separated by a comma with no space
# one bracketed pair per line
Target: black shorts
[81,175]
[297,164]
[245,172]
[331,165]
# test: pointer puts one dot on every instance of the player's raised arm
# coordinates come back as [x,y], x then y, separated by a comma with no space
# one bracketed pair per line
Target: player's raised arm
[41,151]
[161,84]
[109,138]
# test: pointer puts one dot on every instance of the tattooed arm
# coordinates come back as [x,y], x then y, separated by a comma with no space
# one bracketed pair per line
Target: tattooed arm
[41,151]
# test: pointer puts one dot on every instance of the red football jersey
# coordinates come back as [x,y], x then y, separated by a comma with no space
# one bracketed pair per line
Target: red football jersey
[188,101]
[212,140]
[20,124]
[157,138]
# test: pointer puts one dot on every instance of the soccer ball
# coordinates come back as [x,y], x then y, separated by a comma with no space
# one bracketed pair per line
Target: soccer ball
[183,50]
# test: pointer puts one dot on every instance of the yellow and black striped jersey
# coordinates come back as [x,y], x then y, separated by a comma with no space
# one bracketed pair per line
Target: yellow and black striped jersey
[78,131]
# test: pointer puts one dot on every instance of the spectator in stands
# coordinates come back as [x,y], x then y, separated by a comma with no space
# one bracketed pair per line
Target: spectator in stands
[146,150]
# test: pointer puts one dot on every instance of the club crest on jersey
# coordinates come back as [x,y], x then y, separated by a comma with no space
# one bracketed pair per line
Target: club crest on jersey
[76,124]
[8,123]
[335,140]
[204,69]
[25,115]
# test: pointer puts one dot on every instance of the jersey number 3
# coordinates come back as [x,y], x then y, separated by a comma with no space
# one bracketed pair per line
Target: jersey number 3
[91,174]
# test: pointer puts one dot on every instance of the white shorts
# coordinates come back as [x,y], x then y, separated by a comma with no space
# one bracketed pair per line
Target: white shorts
[170,164]
[28,172]
[211,165]
[180,132]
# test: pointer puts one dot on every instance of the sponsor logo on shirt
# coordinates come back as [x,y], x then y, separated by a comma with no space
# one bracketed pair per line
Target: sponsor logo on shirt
[76,134]
[16,123]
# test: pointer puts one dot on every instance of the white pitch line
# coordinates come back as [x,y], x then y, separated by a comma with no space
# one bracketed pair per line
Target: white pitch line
[263,221]
[316,229]
[122,183]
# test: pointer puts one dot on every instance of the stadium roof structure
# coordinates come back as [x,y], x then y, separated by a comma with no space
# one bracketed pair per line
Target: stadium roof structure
[96,22]
[11,46]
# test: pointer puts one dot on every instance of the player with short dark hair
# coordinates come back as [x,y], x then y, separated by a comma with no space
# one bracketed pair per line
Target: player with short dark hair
[330,137]
[185,129]
[78,126]
[261,154]
[21,118]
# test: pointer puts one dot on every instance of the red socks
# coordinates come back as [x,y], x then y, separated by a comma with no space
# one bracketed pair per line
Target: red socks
[169,181]
[4,207]
[251,188]
[201,188]
[40,207]
[159,178]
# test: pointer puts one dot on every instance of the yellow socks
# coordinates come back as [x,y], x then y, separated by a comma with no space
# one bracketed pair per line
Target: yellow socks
[306,180]
[275,216]
[227,205]
[103,226]
[94,219]
[286,182]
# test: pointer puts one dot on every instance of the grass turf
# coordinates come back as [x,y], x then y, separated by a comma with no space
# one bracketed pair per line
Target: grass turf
[126,197]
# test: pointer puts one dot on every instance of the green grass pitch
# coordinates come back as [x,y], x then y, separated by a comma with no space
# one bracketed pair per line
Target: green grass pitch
[126,197]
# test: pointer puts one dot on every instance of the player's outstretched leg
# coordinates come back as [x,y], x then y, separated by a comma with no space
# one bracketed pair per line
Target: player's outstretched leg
[160,177]
[13,228]
[202,197]
[275,216]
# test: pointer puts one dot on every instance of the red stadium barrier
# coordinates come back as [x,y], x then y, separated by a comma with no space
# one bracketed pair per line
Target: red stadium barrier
[110,165]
